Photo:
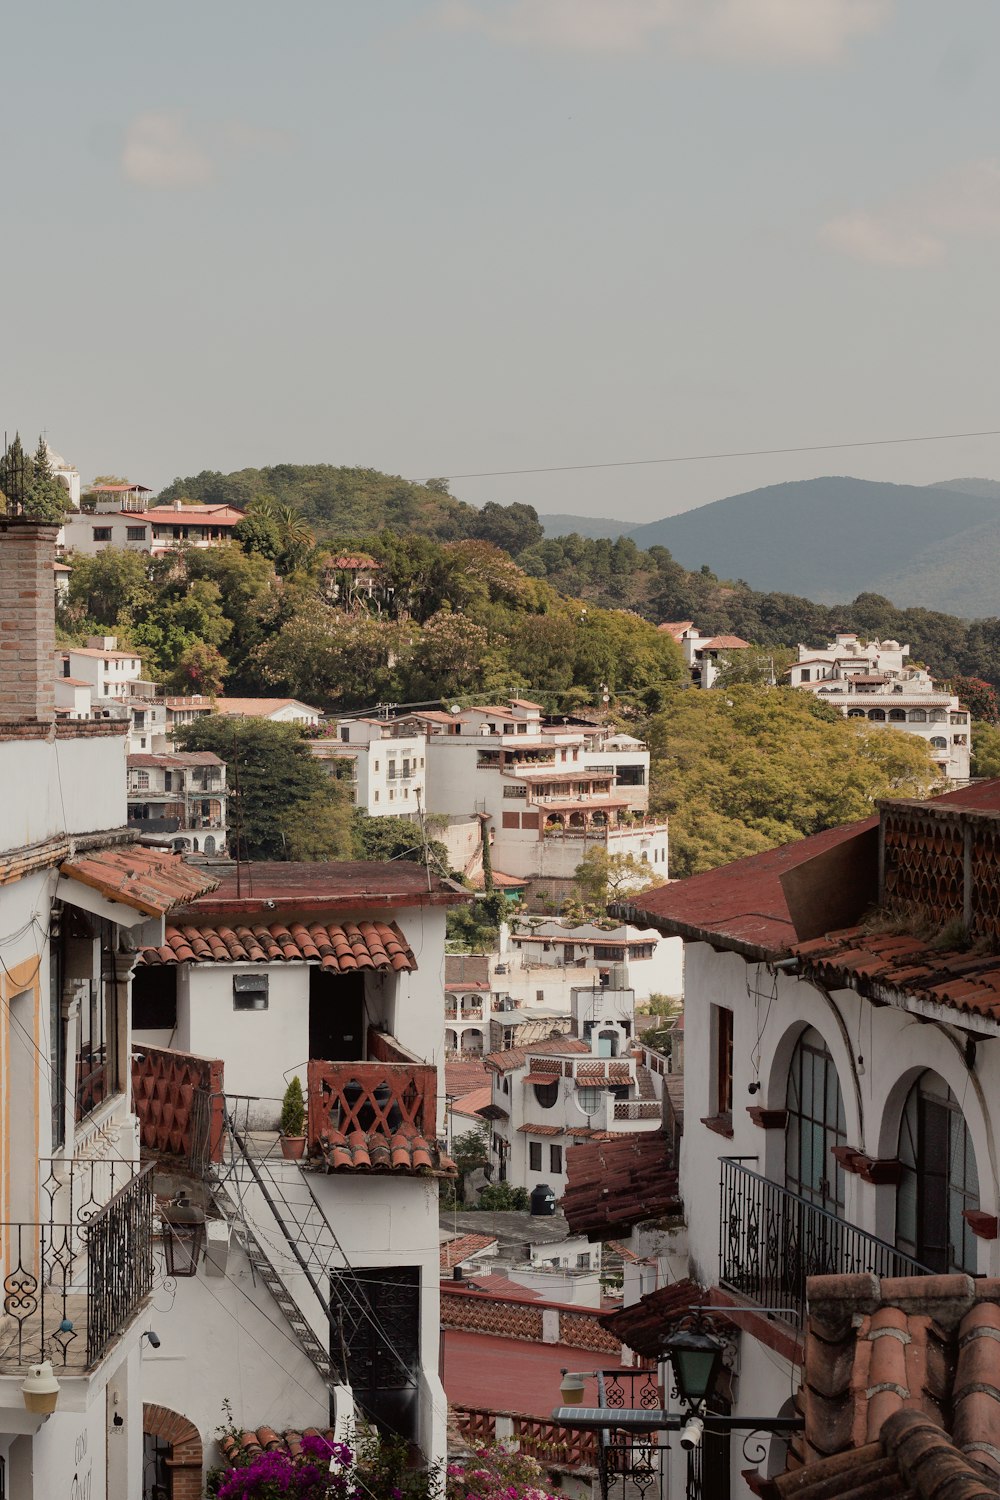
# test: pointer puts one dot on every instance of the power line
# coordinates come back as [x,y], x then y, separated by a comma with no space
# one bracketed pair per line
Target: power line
[698,458]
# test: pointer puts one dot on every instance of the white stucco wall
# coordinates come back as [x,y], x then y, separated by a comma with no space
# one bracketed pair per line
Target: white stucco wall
[76,786]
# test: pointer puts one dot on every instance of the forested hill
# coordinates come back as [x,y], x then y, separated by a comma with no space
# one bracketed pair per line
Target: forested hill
[348,502]
[354,507]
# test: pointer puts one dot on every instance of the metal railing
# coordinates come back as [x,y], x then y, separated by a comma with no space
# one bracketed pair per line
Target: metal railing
[772,1240]
[79,1276]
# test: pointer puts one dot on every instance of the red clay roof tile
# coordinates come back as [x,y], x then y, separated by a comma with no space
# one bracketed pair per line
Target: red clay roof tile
[618,1183]
[339,949]
[148,880]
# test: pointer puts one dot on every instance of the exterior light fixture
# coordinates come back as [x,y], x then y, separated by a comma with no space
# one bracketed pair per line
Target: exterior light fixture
[571,1389]
[40,1390]
[183,1237]
[696,1357]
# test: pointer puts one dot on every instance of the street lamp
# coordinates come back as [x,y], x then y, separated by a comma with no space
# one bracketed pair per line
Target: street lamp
[183,1237]
[696,1357]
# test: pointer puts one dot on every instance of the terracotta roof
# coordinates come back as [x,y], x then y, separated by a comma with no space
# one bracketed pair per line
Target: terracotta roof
[515,1057]
[340,949]
[96,651]
[494,1112]
[148,880]
[538,1076]
[912,1459]
[473,984]
[542,1130]
[454,1252]
[742,905]
[463,1074]
[406,1153]
[645,1324]
[721,643]
[473,1102]
[247,1445]
[216,515]
[258,708]
[179,761]
[524,703]
[872,963]
[924,1346]
[676,628]
[618,1183]
[61,567]
[353,562]
[504,882]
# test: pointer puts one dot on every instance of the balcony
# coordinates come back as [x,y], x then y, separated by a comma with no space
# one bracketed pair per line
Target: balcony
[771,1241]
[74,1281]
[375,1098]
[636,1114]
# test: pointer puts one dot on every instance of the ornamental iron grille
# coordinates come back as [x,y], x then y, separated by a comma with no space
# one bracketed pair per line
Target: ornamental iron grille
[75,1279]
[377,1311]
[772,1240]
[631,1465]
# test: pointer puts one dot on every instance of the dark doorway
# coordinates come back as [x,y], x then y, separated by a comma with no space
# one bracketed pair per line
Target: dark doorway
[336,1016]
[378,1311]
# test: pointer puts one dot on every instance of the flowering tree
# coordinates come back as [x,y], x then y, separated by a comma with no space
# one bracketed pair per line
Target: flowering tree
[321,1470]
[495,1474]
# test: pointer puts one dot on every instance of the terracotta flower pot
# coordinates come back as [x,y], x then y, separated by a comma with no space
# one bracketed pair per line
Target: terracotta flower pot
[293,1147]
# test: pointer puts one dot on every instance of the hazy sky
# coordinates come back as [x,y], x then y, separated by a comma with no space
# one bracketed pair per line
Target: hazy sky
[438,236]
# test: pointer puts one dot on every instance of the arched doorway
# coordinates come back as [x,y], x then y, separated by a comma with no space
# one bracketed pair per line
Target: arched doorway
[815,1125]
[939,1180]
[172,1455]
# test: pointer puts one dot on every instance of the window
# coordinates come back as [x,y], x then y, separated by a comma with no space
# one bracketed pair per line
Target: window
[547,1093]
[938,742]
[917,716]
[392,794]
[583,1261]
[154,998]
[589,1100]
[555,1160]
[345,734]
[515,791]
[815,1124]
[102,534]
[721,1101]
[378,1310]
[931,1198]
[141,780]
[135,533]
[534,1156]
[806,675]
[376,796]
[376,765]
[97,1051]
[249,992]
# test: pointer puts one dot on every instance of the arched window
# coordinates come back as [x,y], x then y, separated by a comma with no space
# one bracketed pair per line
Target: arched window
[918,716]
[856,713]
[932,1197]
[877,713]
[897,715]
[815,1124]
[547,1093]
[939,742]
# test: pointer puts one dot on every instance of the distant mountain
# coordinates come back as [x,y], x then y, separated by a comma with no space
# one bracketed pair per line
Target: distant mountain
[836,537]
[592,526]
[989,489]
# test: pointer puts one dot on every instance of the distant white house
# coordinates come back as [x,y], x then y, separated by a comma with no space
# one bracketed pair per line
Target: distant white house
[278,710]
[872,681]
[385,766]
[704,655]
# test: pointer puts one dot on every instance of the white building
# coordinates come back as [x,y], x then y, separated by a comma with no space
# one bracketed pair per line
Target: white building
[277,710]
[548,793]
[872,681]
[67,474]
[121,518]
[179,800]
[330,973]
[704,655]
[842,1070]
[386,769]
[623,955]
[549,1095]
[77,1252]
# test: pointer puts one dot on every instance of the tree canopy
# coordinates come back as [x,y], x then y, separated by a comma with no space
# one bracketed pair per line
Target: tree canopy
[740,770]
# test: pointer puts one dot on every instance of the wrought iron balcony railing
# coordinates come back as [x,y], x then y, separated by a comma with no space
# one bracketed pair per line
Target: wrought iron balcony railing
[73,1281]
[772,1240]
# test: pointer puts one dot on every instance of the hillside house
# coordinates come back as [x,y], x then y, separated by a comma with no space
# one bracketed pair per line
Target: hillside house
[704,655]
[384,766]
[179,800]
[842,1067]
[872,682]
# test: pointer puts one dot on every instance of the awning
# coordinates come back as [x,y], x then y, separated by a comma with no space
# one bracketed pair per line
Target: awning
[541,1078]
[150,882]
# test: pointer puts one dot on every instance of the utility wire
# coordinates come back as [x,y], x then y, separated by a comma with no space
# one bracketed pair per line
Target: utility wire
[697,458]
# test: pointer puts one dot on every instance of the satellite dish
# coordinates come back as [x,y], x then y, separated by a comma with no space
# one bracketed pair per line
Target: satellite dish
[456,708]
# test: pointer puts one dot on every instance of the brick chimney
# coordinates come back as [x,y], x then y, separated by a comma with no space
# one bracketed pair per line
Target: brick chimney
[27,621]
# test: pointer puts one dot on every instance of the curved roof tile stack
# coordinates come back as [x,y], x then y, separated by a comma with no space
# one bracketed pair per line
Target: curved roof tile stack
[339,948]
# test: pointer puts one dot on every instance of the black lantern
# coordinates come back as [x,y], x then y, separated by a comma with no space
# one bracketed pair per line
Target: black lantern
[696,1357]
[183,1237]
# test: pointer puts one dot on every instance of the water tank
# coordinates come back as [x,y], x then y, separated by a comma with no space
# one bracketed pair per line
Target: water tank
[543,1200]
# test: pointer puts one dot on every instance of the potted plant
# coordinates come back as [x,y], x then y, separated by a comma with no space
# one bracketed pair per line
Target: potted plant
[293,1122]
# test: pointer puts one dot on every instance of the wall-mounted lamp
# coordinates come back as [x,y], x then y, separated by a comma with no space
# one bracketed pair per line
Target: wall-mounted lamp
[572,1388]
[183,1237]
[40,1389]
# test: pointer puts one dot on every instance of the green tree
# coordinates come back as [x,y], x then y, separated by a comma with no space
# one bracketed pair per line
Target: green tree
[986,750]
[321,827]
[759,665]
[201,668]
[740,770]
[329,657]
[601,878]
[397,838]
[273,782]
[979,697]
[113,585]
